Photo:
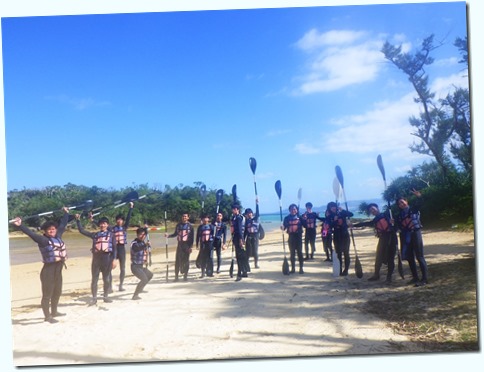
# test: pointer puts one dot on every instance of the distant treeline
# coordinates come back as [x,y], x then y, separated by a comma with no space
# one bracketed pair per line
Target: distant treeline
[150,208]
[446,201]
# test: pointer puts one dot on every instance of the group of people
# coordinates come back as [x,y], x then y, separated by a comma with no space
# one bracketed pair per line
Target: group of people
[334,233]
[405,229]
[336,238]
[108,249]
[109,246]
[211,237]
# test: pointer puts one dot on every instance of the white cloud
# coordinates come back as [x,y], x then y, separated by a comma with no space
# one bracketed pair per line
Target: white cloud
[77,103]
[340,59]
[445,85]
[401,40]
[385,128]
[313,39]
[444,62]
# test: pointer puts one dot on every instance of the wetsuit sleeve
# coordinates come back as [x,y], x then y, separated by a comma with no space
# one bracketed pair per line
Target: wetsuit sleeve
[257,214]
[197,240]
[191,236]
[41,240]
[364,224]
[304,221]
[176,231]
[285,223]
[347,214]
[224,233]
[62,224]
[128,218]
[84,232]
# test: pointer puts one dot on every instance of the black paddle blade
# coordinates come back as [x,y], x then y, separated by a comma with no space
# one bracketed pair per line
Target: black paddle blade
[278,188]
[253,165]
[234,193]
[299,194]
[219,195]
[358,268]
[339,175]
[131,196]
[379,162]
[87,205]
[285,266]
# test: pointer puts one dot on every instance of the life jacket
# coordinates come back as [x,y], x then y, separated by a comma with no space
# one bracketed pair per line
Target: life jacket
[55,251]
[206,233]
[120,235]
[311,221]
[340,223]
[219,228]
[103,242]
[382,225]
[238,225]
[139,257]
[293,224]
[251,226]
[409,220]
[184,232]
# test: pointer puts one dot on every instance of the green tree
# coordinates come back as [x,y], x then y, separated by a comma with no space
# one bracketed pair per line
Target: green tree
[442,122]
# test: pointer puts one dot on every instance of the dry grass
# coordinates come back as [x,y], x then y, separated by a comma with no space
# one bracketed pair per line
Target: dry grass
[441,316]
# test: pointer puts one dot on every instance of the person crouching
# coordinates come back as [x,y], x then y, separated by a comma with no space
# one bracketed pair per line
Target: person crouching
[139,255]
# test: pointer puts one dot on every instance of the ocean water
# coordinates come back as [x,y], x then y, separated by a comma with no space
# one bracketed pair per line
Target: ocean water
[270,222]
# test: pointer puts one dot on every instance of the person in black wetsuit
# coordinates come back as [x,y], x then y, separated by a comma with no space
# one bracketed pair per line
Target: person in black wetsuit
[309,221]
[237,227]
[139,253]
[103,256]
[411,242]
[387,241]
[185,238]
[327,231]
[293,226]
[251,234]
[54,255]
[120,232]
[219,239]
[341,237]
[204,242]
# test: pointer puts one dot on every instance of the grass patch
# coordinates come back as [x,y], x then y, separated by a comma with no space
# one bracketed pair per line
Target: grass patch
[441,316]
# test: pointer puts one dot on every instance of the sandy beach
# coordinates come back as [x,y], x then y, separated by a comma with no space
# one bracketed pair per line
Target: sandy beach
[268,315]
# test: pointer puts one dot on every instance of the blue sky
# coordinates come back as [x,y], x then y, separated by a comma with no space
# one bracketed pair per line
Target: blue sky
[115,100]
